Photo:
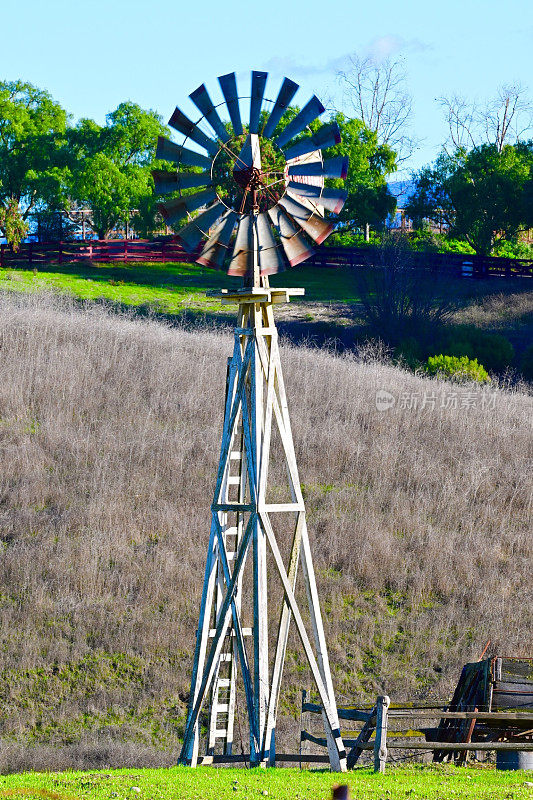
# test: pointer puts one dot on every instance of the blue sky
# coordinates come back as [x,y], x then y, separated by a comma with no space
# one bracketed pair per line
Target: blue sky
[93,55]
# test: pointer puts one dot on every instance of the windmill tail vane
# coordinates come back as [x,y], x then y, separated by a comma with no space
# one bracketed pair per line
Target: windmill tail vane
[254,201]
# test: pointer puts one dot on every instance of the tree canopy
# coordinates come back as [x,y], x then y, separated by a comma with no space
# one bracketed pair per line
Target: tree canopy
[32,131]
[369,200]
[110,167]
[483,189]
[481,193]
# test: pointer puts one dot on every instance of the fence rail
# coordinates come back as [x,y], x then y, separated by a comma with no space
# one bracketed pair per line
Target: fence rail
[459,264]
[505,725]
[102,250]
[161,250]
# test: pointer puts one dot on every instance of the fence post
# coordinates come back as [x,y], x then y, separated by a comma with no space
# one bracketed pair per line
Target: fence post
[60,253]
[2,247]
[380,742]
[125,249]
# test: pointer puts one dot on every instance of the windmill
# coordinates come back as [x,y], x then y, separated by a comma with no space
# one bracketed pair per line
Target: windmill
[255,196]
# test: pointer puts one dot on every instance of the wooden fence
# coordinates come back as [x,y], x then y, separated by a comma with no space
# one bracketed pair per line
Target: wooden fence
[101,250]
[161,250]
[376,722]
[457,264]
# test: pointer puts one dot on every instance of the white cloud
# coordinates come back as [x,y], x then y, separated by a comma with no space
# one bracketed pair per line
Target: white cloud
[379,49]
[383,47]
[287,65]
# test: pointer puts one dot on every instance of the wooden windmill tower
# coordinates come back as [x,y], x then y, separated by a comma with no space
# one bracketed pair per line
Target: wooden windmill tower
[267,182]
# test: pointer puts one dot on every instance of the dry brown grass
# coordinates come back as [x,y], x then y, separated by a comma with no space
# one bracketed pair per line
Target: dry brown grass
[109,434]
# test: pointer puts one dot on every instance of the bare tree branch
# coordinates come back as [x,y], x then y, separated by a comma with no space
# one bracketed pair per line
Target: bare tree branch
[505,119]
[376,92]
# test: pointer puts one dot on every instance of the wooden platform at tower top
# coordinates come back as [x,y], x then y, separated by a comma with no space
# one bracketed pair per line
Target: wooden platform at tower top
[244,520]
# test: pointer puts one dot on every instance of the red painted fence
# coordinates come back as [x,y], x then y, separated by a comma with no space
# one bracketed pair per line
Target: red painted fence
[159,250]
[101,250]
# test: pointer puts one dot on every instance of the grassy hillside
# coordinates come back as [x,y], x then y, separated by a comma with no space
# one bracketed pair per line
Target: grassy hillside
[109,433]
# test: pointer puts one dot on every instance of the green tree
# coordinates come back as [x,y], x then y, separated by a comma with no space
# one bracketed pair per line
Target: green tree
[370,163]
[15,228]
[110,167]
[481,194]
[32,165]
[369,200]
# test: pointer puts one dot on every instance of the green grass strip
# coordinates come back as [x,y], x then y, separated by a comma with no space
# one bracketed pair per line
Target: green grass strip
[415,782]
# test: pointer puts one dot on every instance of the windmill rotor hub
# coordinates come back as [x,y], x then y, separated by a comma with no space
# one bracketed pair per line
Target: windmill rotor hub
[236,179]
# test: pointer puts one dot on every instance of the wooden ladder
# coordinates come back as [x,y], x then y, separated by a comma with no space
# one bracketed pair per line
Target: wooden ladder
[224,691]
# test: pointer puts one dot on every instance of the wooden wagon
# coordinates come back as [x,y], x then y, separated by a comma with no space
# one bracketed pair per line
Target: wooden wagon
[493,685]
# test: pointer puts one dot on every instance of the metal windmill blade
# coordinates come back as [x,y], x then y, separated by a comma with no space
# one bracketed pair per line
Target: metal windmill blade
[309,112]
[204,104]
[169,151]
[315,226]
[259,80]
[243,250]
[183,124]
[326,136]
[331,199]
[330,168]
[283,101]
[293,242]
[168,182]
[192,234]
[175,210]
[269,255]
[216,248]
[228,84]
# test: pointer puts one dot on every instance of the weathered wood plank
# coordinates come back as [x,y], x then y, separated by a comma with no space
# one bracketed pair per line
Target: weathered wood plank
[409,744]
[514,687]
[495,716]
[517,670]
[323,742]
[361,740]
[343,713]
[380,741]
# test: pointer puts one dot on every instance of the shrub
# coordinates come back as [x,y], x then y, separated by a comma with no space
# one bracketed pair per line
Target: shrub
[352,239]
[491,349]
[462,368]
[513,250]
[526,363]
[399,298]
[438,243]
[410,351]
